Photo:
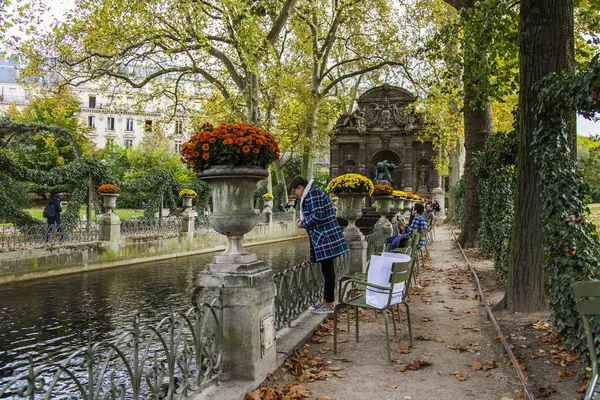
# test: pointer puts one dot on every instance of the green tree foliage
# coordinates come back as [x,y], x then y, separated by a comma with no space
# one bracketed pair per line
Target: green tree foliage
[571,246]
[495,165]
[588,152]
[151,44]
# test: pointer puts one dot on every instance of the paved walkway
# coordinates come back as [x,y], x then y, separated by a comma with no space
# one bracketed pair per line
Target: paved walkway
[451,333]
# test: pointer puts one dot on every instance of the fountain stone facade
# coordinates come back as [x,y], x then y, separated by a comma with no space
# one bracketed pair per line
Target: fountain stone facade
[383,127]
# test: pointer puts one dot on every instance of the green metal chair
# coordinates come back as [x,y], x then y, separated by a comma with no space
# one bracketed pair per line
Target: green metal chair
[587,296]
[401,272]
[412,249]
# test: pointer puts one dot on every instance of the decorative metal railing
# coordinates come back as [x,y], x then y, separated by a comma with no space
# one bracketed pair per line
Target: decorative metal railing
[177,357]
[150,227]
[375,242]
[16,238]
[301,286]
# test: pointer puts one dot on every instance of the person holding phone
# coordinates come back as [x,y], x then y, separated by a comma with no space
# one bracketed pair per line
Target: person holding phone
[327,241]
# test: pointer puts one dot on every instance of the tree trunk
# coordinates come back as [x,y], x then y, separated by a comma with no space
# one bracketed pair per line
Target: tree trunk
[457,166]
[546,36]
[311,123]
[478,126]
[253,99]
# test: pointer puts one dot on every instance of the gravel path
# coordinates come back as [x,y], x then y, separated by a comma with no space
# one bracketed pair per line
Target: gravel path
[451,333]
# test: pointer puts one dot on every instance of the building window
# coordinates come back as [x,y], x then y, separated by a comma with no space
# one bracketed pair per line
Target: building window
[110,123]
[128,142]
[148,126]
[177,146]
[178,127]
[129,127]
[91,121]
[91,101]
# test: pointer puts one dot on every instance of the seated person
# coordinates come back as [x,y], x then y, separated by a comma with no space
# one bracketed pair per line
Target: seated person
[399,240]
[428,214]
[416,222]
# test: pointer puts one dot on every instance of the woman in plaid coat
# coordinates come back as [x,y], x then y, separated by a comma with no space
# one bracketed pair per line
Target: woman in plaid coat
[327,242]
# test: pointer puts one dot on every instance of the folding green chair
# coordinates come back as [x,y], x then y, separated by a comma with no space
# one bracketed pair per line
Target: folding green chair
[400,273]
[587,296]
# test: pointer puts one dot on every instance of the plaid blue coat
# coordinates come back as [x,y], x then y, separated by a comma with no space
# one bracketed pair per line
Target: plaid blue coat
[326,238]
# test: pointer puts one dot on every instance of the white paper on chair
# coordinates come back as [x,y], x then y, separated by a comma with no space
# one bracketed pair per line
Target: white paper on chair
[401,257]
[379,274]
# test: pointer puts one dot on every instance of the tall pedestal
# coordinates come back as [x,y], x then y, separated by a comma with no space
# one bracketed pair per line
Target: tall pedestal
[188,218]
[110,227]
[357,257]
[248,318]
[438,195]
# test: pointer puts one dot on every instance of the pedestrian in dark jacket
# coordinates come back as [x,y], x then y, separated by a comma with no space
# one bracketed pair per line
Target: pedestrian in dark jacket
[326,238]
[52,215]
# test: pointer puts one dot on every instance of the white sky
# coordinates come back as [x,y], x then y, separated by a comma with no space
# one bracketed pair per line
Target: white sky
[58,8]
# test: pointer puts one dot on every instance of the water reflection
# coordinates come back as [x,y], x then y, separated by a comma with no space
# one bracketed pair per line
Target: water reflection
[52,317]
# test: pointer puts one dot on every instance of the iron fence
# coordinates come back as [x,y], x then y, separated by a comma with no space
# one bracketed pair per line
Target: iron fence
[301,286]
[137,227]
[179,356]
[22,237]
[375,242]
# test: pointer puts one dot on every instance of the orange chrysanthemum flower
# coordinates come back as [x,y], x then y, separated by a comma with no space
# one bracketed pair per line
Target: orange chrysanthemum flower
[205,156]
[227,142]
[246,149]
[212,140]
[255,150]
[205,147]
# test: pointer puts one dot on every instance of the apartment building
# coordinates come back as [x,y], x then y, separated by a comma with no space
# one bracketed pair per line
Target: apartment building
[114,117]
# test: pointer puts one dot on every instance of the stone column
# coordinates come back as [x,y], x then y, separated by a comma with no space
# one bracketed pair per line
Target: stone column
[362,168]
[408,176]
[248,318]
[357,257]
[110,227]
[335,159]
[438,193]
[188,217]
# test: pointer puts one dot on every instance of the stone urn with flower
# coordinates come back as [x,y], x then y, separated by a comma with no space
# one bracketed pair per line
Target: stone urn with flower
[267,206]
[231,158]
[351,190]
[109,222]
[109,193]
[382,194]
[398,201]
[188,215]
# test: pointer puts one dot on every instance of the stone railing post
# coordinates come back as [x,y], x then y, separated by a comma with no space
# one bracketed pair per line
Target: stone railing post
[188,217]
[109,222]
[247,283]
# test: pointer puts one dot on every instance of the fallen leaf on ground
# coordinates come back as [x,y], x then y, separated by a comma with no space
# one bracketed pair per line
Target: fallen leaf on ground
[439,340]
[459,375]
[403,349]
[545,391]
[475,366]
[413,366]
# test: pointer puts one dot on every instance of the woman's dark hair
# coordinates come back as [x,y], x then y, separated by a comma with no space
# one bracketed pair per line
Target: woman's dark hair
[298,181]
[419,207]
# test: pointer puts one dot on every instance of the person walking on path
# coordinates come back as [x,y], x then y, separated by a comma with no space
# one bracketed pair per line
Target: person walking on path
[327,242]
[52,214]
